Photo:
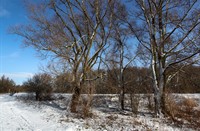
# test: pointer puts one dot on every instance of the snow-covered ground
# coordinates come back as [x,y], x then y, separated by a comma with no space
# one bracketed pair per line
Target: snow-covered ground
[17,114]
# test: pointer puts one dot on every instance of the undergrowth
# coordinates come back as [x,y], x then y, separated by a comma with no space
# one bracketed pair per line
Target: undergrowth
[183,112]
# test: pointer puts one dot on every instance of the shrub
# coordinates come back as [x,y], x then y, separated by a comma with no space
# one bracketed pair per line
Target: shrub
[41,85]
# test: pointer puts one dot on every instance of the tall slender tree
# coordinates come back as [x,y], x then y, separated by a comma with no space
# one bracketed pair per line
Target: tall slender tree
[121,36]
[118,54]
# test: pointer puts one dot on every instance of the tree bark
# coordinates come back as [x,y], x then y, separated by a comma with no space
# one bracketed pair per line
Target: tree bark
[76,92]
[121,77]
[122,94]
[157,98]
[75,99]
[159,93]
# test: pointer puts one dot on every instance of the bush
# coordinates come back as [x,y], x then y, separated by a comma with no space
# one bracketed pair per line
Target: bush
[41,85]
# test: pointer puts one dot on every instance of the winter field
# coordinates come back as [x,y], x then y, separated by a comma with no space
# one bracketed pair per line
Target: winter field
[21,113]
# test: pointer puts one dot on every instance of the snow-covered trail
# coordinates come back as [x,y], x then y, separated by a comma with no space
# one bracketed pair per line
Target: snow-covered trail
[10,117]
[16,116]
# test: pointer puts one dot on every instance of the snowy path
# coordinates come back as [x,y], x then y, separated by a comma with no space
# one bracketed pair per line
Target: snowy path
[11,118]
[15,116]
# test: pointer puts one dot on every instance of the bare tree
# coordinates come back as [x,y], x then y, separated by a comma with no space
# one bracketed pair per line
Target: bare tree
[169,30]
[120,38]
[124,42]
[118,56]
[72,30]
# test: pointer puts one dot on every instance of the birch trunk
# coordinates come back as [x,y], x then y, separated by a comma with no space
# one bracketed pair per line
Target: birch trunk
[159,88]
[157,94]
[121,78]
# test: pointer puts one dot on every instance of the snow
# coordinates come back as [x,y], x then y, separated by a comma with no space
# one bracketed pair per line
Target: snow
[18,114]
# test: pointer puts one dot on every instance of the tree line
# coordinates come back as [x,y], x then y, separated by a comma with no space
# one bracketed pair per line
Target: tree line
[162,36]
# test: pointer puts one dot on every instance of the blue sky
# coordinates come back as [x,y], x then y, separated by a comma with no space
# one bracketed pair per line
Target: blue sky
[16,62]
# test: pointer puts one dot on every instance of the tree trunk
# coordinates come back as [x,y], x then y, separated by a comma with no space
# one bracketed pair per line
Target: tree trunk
[157,100]
[76,92]
[160,103]
[121,77]
[122,94]
[75,99]
[163,103]
[37,96]
[159,77]
[159,94]
[163,97]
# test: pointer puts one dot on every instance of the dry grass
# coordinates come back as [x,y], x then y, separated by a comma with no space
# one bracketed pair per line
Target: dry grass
[135,100]
[150,102]
[86,107]
[188,112]
[171,106]
[183,112]
[188,104]
[86,103]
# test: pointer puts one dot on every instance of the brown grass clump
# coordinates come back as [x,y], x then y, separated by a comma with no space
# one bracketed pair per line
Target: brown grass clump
[188,104]
[188,112]
[86,107]
[171,106]
[86,103]
[135,101]
[150,104]
[183,112]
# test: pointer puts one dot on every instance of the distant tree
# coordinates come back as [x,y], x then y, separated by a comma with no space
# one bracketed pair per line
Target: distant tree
[138,80]
[189,79]
[6,84]
[41,85]
[109,83]
[62,83]
[186,81]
